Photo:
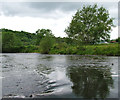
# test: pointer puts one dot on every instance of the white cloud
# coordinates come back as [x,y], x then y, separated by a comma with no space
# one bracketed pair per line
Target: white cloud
[31,24]
[114,33]
[114,13]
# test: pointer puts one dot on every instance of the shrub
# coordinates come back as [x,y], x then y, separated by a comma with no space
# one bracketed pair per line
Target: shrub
[46,44]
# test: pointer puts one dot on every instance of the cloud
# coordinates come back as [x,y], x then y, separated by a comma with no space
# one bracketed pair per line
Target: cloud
[37,9]
[48,9]
[30,16]
[113,10]
[114,33]
[31,24]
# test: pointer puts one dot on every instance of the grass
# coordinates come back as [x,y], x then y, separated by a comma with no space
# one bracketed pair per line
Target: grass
[63,48]
[99,49]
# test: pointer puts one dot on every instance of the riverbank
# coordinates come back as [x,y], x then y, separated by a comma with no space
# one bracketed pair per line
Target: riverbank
[98,49]
[25,42]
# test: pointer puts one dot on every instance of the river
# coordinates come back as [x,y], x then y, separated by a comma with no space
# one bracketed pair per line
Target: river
[37,75]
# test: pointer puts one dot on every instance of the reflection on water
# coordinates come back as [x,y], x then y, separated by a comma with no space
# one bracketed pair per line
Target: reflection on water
[67,76]
[90,81]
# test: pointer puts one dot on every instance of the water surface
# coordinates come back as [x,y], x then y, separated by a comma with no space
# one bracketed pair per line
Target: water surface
[65,76]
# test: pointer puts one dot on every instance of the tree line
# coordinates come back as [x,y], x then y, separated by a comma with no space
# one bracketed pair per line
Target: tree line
[21,41]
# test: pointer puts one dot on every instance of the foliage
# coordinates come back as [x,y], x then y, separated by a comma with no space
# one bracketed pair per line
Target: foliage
[41,33]
[99,49]
[46,44]
[118,40]
[10,43]
[29,48]
[90,25]
[16,41]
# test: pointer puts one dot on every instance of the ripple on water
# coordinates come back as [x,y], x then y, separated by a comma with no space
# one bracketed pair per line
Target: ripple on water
[35,75]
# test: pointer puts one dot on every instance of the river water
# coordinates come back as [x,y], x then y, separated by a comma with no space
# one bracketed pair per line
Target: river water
[63,76]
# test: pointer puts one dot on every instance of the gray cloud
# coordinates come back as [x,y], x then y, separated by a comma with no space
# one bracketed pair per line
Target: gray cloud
[36,9]
[48,9]
[51,6]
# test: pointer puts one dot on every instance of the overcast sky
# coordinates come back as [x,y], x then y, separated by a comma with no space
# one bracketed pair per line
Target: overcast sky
[30,16]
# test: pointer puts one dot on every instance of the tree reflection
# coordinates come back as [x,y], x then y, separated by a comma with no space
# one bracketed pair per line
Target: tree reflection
[90,81]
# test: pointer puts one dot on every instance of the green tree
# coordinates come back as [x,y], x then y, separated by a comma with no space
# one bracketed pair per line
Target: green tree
[46,44]
[41,33]
[90,25]
[10,43]
[118,40]
[46,40]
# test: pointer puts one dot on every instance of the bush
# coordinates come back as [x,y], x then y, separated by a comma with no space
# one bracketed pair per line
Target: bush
[46,44]
[29,49]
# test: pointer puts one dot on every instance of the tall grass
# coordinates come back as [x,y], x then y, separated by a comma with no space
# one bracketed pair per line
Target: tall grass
[99,49]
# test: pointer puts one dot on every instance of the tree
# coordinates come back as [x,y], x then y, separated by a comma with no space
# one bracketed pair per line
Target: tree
[90,25]
[46,40]
[46,44]
[118,40]
[42,33]
[10,43]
